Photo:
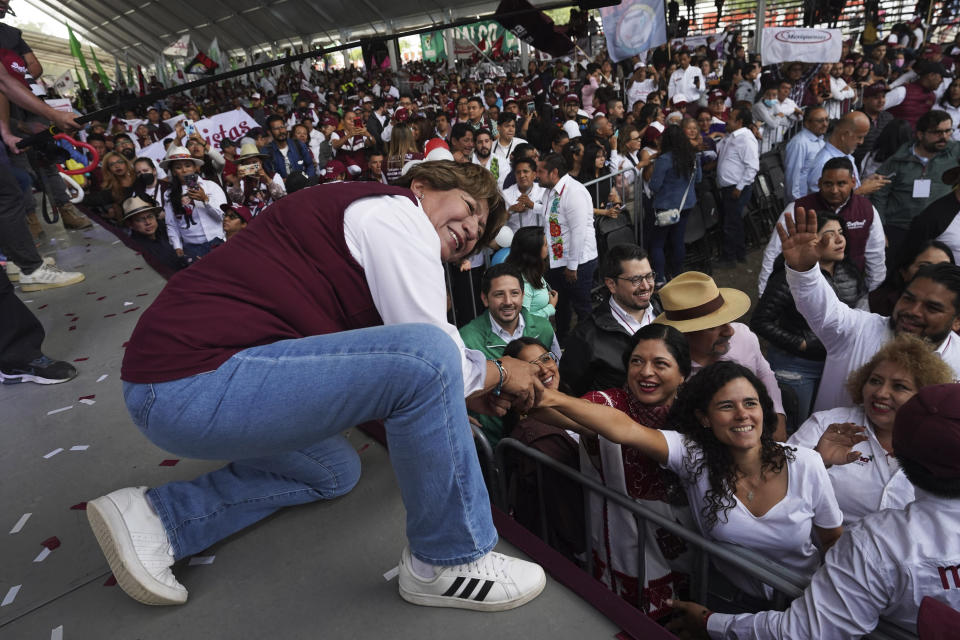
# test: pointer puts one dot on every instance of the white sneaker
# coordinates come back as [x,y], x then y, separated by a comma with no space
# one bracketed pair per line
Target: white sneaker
[49,276]
[136,545]
[495,582]
[13,271]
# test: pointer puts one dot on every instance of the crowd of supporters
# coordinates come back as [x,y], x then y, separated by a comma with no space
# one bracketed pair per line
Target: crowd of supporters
[847,327]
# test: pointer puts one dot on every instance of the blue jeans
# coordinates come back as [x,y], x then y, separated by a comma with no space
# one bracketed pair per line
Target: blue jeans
[277,411]
[197,251]
[734,242]
[799,374]
[669,238]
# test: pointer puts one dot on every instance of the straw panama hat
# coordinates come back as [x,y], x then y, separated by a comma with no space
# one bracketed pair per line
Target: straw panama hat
[693,302]
[178,153]
[249,150]
[135,206]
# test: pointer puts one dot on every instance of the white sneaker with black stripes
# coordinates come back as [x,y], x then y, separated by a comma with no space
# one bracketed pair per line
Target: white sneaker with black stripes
[495,582]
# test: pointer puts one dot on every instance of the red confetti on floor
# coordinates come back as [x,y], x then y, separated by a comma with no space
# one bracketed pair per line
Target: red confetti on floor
[140,295]
[124,345]
[126,272]
[91,293]
[90,397]
[80,506]
[363,448]
[80,359]
[111,277]
[132,310]
[138,268]
[43,306]
[51,543]
[69,314]
[109,315]
[171,462]
[72,328]
[111,581]
[101,298]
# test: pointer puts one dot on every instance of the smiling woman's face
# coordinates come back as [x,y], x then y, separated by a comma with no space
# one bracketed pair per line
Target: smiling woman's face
[547,370]
[458,217]
[653,375]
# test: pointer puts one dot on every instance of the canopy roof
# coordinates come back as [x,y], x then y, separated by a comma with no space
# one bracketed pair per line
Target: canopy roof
[141,29]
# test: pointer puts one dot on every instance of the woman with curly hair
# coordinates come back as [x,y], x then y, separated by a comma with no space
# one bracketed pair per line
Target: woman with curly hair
[116,186]
[743,486]
[870,479]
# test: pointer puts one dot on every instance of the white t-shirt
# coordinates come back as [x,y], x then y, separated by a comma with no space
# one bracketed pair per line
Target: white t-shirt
[286,159]
[951,235]
[872,483]
[784,534]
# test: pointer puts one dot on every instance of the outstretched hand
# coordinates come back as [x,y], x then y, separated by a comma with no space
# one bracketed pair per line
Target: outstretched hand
[799,239]
[836,443]
[692,622]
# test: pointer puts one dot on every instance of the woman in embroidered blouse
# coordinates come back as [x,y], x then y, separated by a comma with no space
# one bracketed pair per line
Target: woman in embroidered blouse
[530,253]
[856,443]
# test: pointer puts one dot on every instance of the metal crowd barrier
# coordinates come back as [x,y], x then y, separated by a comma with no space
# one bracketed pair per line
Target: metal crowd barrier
[626,182]
[787,584]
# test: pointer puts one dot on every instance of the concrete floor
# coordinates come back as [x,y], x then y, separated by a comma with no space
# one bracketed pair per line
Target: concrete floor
[307,572]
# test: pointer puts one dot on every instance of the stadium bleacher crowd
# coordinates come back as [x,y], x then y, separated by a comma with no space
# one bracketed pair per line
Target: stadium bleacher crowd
[612,191]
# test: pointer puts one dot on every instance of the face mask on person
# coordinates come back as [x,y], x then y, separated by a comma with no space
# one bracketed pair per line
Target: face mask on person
[770,103]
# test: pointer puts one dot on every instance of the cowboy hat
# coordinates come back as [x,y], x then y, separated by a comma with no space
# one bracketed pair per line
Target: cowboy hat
[249,150]
[693,302]
[135,205]
[175,153]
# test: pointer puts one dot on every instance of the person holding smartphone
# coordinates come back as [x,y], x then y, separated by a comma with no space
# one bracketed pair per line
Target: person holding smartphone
[193,216]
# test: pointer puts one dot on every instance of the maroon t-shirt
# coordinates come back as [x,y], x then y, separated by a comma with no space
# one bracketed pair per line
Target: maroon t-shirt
[289,274]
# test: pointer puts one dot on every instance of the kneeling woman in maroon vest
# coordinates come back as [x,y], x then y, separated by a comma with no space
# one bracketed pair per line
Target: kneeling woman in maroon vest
[269,348]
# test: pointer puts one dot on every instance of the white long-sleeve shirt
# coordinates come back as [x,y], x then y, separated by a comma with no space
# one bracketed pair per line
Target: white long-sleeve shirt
[530,217]
[207,216]
[406,278]
[884,566]
[839,91]
[738,159]
[850,336]
[686,84]
[874,253]
[568,211]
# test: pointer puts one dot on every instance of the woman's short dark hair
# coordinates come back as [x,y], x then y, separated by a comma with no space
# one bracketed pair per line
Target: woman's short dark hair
[673,340]
[515,346]
[588,163]
[525,254]
[693,401]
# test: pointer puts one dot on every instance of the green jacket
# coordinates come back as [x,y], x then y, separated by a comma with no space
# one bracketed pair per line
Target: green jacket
[895,201]
[478,334]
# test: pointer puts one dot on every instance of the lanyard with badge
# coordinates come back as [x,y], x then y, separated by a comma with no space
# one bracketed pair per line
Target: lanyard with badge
[921,186]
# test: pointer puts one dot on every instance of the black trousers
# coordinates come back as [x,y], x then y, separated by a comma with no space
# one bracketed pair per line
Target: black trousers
[21,334]
[15,239]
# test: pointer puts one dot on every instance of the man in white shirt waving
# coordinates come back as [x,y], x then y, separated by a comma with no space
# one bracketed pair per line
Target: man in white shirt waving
[573,243]
[929,307]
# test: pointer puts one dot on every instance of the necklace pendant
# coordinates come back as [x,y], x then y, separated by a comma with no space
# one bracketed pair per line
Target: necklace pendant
[750,496]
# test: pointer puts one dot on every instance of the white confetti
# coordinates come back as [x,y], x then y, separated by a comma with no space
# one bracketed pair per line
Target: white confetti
[50,413]
[22,521]
[57,634]
[79,447]
[42,555]
[53,453]
[103,377]
[87,401]
[390,575]
[27,301]
[11,594]
[115,242]
[128,304]
[195,560]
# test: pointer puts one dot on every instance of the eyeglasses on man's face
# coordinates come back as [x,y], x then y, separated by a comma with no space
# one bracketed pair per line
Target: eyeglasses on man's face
[649,278]
[946,133]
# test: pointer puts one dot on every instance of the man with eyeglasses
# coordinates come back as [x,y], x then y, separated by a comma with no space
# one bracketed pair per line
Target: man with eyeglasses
[916,171]
[593,357]
[505,320]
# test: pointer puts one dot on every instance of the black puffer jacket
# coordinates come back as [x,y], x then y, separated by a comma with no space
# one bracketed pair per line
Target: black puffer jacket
[593,353]
[777,320]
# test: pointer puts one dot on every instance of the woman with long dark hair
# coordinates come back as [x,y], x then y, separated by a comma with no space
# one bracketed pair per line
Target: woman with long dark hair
[530,253]
[606,200]
[192,211]
[675,173]
[743,486]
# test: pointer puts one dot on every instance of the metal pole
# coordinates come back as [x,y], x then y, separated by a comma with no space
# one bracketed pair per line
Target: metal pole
[761,18]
